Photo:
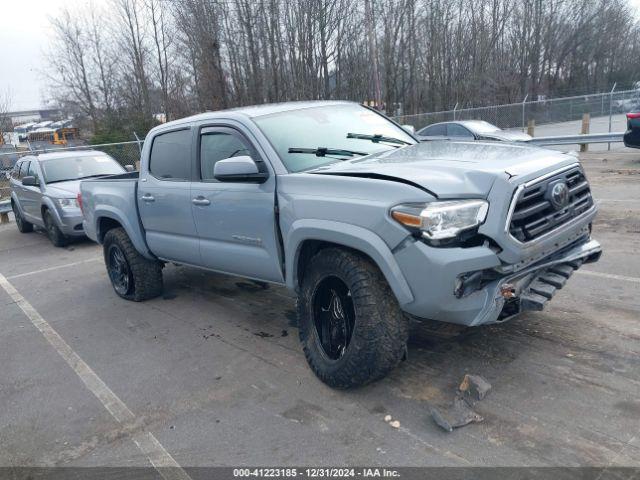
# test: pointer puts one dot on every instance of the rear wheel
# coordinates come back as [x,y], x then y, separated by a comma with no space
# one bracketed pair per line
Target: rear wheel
[56,236]
[21,223]
[351,327]
[132,276]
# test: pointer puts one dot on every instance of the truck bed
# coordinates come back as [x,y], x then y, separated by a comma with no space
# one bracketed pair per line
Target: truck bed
[113,198]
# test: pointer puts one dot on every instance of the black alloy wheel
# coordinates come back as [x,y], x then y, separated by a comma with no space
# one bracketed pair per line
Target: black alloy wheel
[119,271]
[334,316]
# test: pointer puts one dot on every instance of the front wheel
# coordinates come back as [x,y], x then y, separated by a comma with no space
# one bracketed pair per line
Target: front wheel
[57,238]
[132,276]
[351,327]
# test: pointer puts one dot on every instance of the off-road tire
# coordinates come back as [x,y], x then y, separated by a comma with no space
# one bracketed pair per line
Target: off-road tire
[21,223]
[379,339]
[146,274]
[57,238]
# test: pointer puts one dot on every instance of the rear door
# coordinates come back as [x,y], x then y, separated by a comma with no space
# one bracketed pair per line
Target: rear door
[235,221]
[22,192]
[164,198]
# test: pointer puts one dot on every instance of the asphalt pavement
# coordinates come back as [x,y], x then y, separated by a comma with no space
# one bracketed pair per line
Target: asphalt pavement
[212,374]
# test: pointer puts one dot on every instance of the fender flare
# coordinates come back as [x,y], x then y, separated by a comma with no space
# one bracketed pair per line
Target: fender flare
[14,198]
[347,235]
[135,234]
[48,202]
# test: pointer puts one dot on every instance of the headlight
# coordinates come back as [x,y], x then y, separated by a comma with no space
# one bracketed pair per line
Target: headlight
[441,220]
[68,203]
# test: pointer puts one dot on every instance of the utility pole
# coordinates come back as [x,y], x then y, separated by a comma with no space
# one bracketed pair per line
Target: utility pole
[373,54]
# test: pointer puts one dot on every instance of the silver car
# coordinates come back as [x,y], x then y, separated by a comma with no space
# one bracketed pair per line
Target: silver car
[470,130]
[44,190]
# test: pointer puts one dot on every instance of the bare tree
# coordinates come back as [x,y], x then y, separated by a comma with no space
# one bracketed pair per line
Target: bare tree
[132,36]
[70,74]
[162,42]
[184,56]
[6,100]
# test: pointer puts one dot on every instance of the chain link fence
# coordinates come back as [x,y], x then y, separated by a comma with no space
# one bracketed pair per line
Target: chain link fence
[126,153]
[517,115]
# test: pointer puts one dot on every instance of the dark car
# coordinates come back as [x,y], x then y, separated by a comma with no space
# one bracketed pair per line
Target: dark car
[632,135]
[470,130]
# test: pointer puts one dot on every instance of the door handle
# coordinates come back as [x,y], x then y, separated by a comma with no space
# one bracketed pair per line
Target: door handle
[148,198]
[201,201]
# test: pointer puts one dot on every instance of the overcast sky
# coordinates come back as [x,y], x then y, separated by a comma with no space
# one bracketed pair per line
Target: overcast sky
[24,34]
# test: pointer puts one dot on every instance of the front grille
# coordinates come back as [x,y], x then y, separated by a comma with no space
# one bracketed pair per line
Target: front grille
[535,214]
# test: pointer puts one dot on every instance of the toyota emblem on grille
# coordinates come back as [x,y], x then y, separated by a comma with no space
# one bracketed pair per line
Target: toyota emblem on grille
[559,195]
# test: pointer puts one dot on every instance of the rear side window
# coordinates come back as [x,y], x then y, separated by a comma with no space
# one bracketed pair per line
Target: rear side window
[455,130]
[171,156]
[434,130]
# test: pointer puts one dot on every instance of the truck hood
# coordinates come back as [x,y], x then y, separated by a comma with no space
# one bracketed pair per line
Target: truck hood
[453,169]
[64,189]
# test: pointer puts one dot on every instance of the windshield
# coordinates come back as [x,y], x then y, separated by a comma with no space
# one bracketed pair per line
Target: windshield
[483,127]
[74,168]
[326,127]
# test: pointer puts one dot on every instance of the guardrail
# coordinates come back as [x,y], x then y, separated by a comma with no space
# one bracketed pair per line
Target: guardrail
[610,137]
[5,208]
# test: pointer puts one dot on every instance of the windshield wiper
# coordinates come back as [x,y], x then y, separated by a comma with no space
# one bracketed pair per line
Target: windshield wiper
[80,178]
[377,138]
[96,175]
[62,180]
[324,151]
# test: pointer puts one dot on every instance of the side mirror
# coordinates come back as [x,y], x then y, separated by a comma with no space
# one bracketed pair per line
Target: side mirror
[30,182]
[238,169]
[409,128]
[129,168]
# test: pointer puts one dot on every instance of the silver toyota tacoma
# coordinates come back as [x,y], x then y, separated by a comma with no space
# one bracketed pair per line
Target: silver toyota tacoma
[368,226]
[44,190]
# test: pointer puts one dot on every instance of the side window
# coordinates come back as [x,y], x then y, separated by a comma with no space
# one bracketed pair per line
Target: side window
[434,131]
[33,171]
[218,145]
[16,171]
[24,168]
[455,130]
[171,156]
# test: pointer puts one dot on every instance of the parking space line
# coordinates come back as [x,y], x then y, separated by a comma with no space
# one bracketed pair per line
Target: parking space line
[162,460]
[43,270]
[610,276]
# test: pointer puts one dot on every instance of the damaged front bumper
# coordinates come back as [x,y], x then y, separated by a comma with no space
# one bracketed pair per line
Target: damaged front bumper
[472,287]
[533,287]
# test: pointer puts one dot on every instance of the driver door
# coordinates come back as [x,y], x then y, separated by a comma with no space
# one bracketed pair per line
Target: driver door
[31,196]
[235,221]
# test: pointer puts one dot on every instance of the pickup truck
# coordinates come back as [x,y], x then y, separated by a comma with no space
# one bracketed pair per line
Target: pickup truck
[369,227]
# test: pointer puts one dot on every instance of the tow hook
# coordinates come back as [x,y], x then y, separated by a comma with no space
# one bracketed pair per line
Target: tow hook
[507,291]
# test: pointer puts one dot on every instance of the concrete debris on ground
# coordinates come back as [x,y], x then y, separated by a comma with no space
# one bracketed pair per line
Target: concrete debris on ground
[473,388]
[391,422]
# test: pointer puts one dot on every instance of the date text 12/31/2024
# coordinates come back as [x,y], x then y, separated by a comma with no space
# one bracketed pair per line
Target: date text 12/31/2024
[315,472]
